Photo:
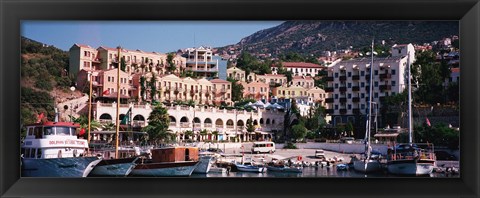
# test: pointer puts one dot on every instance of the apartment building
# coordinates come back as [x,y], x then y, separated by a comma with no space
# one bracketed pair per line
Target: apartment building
[256,90]
[300,68]
[349,81]
[304,81]
[272,79]
[200,61]
[236,73]
[222,92]
[104,82]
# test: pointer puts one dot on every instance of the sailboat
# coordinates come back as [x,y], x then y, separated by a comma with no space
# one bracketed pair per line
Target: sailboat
[410,158]
[115,167]
[367,163]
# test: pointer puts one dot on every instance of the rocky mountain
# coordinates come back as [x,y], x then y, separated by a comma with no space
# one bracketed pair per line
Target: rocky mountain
[313,37]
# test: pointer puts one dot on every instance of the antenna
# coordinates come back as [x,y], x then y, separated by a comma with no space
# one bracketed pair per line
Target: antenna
[194,42]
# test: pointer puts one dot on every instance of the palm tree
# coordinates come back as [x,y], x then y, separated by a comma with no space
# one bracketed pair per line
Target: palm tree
[158,123]
[188,134]
[83,121]
[110,126]
[215,135]
[203,133]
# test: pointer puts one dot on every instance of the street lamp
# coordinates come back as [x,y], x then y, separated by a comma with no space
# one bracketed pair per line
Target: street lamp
[72,88]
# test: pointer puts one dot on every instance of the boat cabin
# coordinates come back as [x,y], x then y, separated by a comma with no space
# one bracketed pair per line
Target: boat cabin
[175,154]
[53,140]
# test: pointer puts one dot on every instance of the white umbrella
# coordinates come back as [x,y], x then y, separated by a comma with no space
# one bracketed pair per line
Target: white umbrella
[259,104]
[267,104]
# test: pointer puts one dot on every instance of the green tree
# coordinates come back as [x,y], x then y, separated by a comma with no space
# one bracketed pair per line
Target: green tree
[170,63]
[237,89]
[123,64]
[203,133]
[153,87]
[142,87]
[158,122]
[188,134]
[250,126]
[110,126]
[429,75]
[299,132]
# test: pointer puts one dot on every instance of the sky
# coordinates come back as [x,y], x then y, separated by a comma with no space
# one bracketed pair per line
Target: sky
[150,36]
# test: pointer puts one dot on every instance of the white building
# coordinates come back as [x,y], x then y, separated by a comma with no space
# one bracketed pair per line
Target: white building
[300,68]
[348,83]
[184,118]
[200,61]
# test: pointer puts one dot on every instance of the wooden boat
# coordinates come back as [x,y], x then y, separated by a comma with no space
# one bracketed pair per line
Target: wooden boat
[168,162]
[52,149]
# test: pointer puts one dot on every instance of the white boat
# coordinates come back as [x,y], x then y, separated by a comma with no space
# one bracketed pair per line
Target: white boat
[342,167]
[114,167]
[285,169]
[251,168]
[217,170]
[367,164]
[410,158]
[52,149]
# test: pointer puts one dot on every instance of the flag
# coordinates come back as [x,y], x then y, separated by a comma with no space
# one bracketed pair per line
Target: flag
[82,131]
[106,92]
[427,121]
[126,117]
[40,117]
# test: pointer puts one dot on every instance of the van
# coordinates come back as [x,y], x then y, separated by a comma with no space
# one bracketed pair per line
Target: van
[348,140]
[320,154]
[263,147]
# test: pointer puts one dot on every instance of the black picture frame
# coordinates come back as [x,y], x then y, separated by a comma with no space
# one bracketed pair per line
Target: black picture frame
[467,12]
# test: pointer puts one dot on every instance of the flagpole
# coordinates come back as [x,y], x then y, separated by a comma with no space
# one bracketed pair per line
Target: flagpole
[118,103]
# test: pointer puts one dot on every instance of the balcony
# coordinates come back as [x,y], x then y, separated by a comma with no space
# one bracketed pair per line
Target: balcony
[356,111]
[355,88]
[343,100]
[385,88]
[385,76]
[367,77]
[343,78]
[329,111]
[184,124]
[356,99]
[329,89]
[329,78]
[329,100]
[343,89]
[355,77]
[367,88]
[343,111]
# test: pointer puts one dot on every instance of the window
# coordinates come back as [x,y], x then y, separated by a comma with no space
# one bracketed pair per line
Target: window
[362,73]
[336,106]
[375,83]
[362,95]
[48,131]
[349,96]
[376,95]
[349,106]
[63,130]
[336,85]
[336,75]
[349,74]
[336,96]
[376,72]
[349,85]
[394,83]
[393,72]
[362,84]
[363,106]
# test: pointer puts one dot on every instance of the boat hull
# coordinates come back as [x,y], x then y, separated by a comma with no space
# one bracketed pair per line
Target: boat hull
[59,167]
[367,166]
[204,165]
[164,169]
[285,169]
[253,169]
[410,167]
[114,167]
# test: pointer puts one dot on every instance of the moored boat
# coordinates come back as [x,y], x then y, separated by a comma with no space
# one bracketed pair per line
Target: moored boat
[52,149]
[168,162]
[204,164]
[114,167]
[250,168]
[285,169]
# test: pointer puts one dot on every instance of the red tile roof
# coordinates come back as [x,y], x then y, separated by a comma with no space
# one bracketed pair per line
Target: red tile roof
[83,45]
[303,77]
[218,81]
[301,65]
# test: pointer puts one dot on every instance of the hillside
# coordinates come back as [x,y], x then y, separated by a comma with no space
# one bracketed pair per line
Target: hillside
[313,37]
[44,79]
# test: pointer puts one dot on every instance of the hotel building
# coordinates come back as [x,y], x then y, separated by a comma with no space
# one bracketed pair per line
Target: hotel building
[300,68]
[200,61]
[349,81]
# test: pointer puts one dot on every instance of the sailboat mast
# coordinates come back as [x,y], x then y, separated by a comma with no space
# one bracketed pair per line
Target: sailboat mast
[89,110]
[370,98]
[118,103]
[409,100]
